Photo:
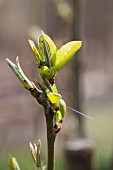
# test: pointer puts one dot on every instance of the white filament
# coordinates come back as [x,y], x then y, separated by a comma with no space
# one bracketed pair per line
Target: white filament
[81,113]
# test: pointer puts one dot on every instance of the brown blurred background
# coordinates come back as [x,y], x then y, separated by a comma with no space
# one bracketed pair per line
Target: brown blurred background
[21,118]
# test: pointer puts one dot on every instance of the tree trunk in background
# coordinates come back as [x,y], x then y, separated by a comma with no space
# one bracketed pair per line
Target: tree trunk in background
[79,152]
[76,35]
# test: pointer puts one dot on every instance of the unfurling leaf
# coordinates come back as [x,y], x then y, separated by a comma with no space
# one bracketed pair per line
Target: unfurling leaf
[19,73]
[64,54]
[41,48]
[35,51]
[46,49]
[50,43]
[49,59]
[47,52]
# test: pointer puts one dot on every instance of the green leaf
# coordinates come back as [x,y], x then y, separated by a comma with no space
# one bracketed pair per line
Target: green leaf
[54,97]
[46,49]
[47,52]
[64,54]
[50,43]
[41,48]
[35,51]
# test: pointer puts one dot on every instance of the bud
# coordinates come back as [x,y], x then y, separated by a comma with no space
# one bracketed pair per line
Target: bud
[20,74]
[35,152]
[13,164]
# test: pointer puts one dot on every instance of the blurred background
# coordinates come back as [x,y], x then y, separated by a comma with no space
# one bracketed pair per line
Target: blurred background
[86,82]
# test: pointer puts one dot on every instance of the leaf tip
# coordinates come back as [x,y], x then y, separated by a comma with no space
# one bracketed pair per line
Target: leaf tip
[17,59]
[7,60]
[31,146]
[80,43]
[31,43]
[42,32]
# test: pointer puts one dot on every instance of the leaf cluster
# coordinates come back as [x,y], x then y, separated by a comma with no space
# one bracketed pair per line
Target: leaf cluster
[49,61]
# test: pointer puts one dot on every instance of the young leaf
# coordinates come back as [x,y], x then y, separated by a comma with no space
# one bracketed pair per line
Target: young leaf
[35,51]
[54,97]
[50,43]
[46,49]
[19,73]
[64,54]
[41,48]
[47,52]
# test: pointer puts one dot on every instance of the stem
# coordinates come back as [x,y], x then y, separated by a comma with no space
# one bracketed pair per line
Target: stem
[51,136]
[50,140]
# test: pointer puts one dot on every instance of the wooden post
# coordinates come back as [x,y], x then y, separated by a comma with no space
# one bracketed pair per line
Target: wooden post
[79,154]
